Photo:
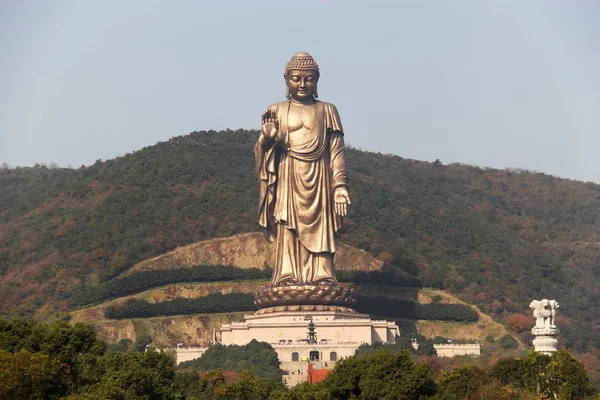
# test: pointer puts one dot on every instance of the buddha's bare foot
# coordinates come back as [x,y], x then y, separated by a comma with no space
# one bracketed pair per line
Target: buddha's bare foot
[325,282]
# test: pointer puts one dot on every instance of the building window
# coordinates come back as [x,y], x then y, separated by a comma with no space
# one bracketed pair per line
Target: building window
[333,356]
[295,356]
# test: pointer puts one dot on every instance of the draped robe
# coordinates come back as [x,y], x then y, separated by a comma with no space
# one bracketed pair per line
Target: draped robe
[298,172]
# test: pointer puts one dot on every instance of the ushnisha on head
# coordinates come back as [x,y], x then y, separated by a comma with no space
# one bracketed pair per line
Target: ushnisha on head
[301,76]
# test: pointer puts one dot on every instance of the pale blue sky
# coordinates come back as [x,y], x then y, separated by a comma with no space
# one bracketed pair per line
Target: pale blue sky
[491,83]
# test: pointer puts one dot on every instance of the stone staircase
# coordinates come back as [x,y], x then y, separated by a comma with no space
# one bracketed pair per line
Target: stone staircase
[292,367]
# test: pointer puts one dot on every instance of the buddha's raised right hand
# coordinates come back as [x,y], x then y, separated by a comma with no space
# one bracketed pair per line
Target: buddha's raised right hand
[270,124]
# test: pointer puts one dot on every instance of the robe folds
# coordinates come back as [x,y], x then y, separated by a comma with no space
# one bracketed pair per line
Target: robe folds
[297,177]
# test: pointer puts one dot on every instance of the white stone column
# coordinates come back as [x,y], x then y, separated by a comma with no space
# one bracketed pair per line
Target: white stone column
[545,330]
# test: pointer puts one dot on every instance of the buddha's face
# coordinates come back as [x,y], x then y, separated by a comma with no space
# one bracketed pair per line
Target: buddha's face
[302,84]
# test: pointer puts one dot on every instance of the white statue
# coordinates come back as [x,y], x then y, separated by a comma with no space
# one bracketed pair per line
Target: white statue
[545,330]
[544,312]
[553,307]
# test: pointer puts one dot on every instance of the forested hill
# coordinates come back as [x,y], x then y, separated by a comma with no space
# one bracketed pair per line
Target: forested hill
[498,238]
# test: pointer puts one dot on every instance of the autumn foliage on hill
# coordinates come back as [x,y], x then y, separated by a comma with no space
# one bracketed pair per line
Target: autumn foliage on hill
[498,238]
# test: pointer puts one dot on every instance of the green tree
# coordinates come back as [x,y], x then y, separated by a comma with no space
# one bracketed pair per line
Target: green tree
[426,348]
[24,375]
[259,357]
[382,375]
[565,378]
[197,386]
[343,382]
[463,383]
[558,377]
[534,371]
[124,345]
[136,376]
[302,391]
[141,342]
[509,371]
[17,334]
[246,387]
[72,347]
[508,342]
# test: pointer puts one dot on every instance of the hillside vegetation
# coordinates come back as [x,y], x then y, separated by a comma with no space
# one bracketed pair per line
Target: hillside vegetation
[152,298]
[496,238]
[194,328]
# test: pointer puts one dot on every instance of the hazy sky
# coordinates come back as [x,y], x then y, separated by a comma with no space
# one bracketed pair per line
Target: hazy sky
[492,83]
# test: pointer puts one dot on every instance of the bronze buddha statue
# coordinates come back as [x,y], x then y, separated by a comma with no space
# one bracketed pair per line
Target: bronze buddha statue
[303,181]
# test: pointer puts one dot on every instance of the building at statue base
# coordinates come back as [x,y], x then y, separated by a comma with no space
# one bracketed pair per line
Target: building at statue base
[335,334]
[183,354]
[315,374]
[453,350]
[308,341]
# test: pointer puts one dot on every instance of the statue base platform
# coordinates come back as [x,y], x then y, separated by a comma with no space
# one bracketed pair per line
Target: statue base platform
[551,330]
[286,314]
[277,309]
[544,338]
[332,297]
[339,332]
[545,344]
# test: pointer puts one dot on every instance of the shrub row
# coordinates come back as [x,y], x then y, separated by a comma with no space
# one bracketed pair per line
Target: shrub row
[384,306]
[447,312]
[213,303]
[390,276]
[144,280]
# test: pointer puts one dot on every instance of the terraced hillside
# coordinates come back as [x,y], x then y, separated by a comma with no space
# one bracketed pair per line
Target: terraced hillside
[249,250]
[195,329]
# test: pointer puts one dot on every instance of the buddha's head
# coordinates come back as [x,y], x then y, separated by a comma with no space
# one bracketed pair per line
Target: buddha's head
[301,76]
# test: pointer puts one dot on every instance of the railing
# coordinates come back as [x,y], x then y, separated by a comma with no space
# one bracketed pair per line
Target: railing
[319,343]
[190,348]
